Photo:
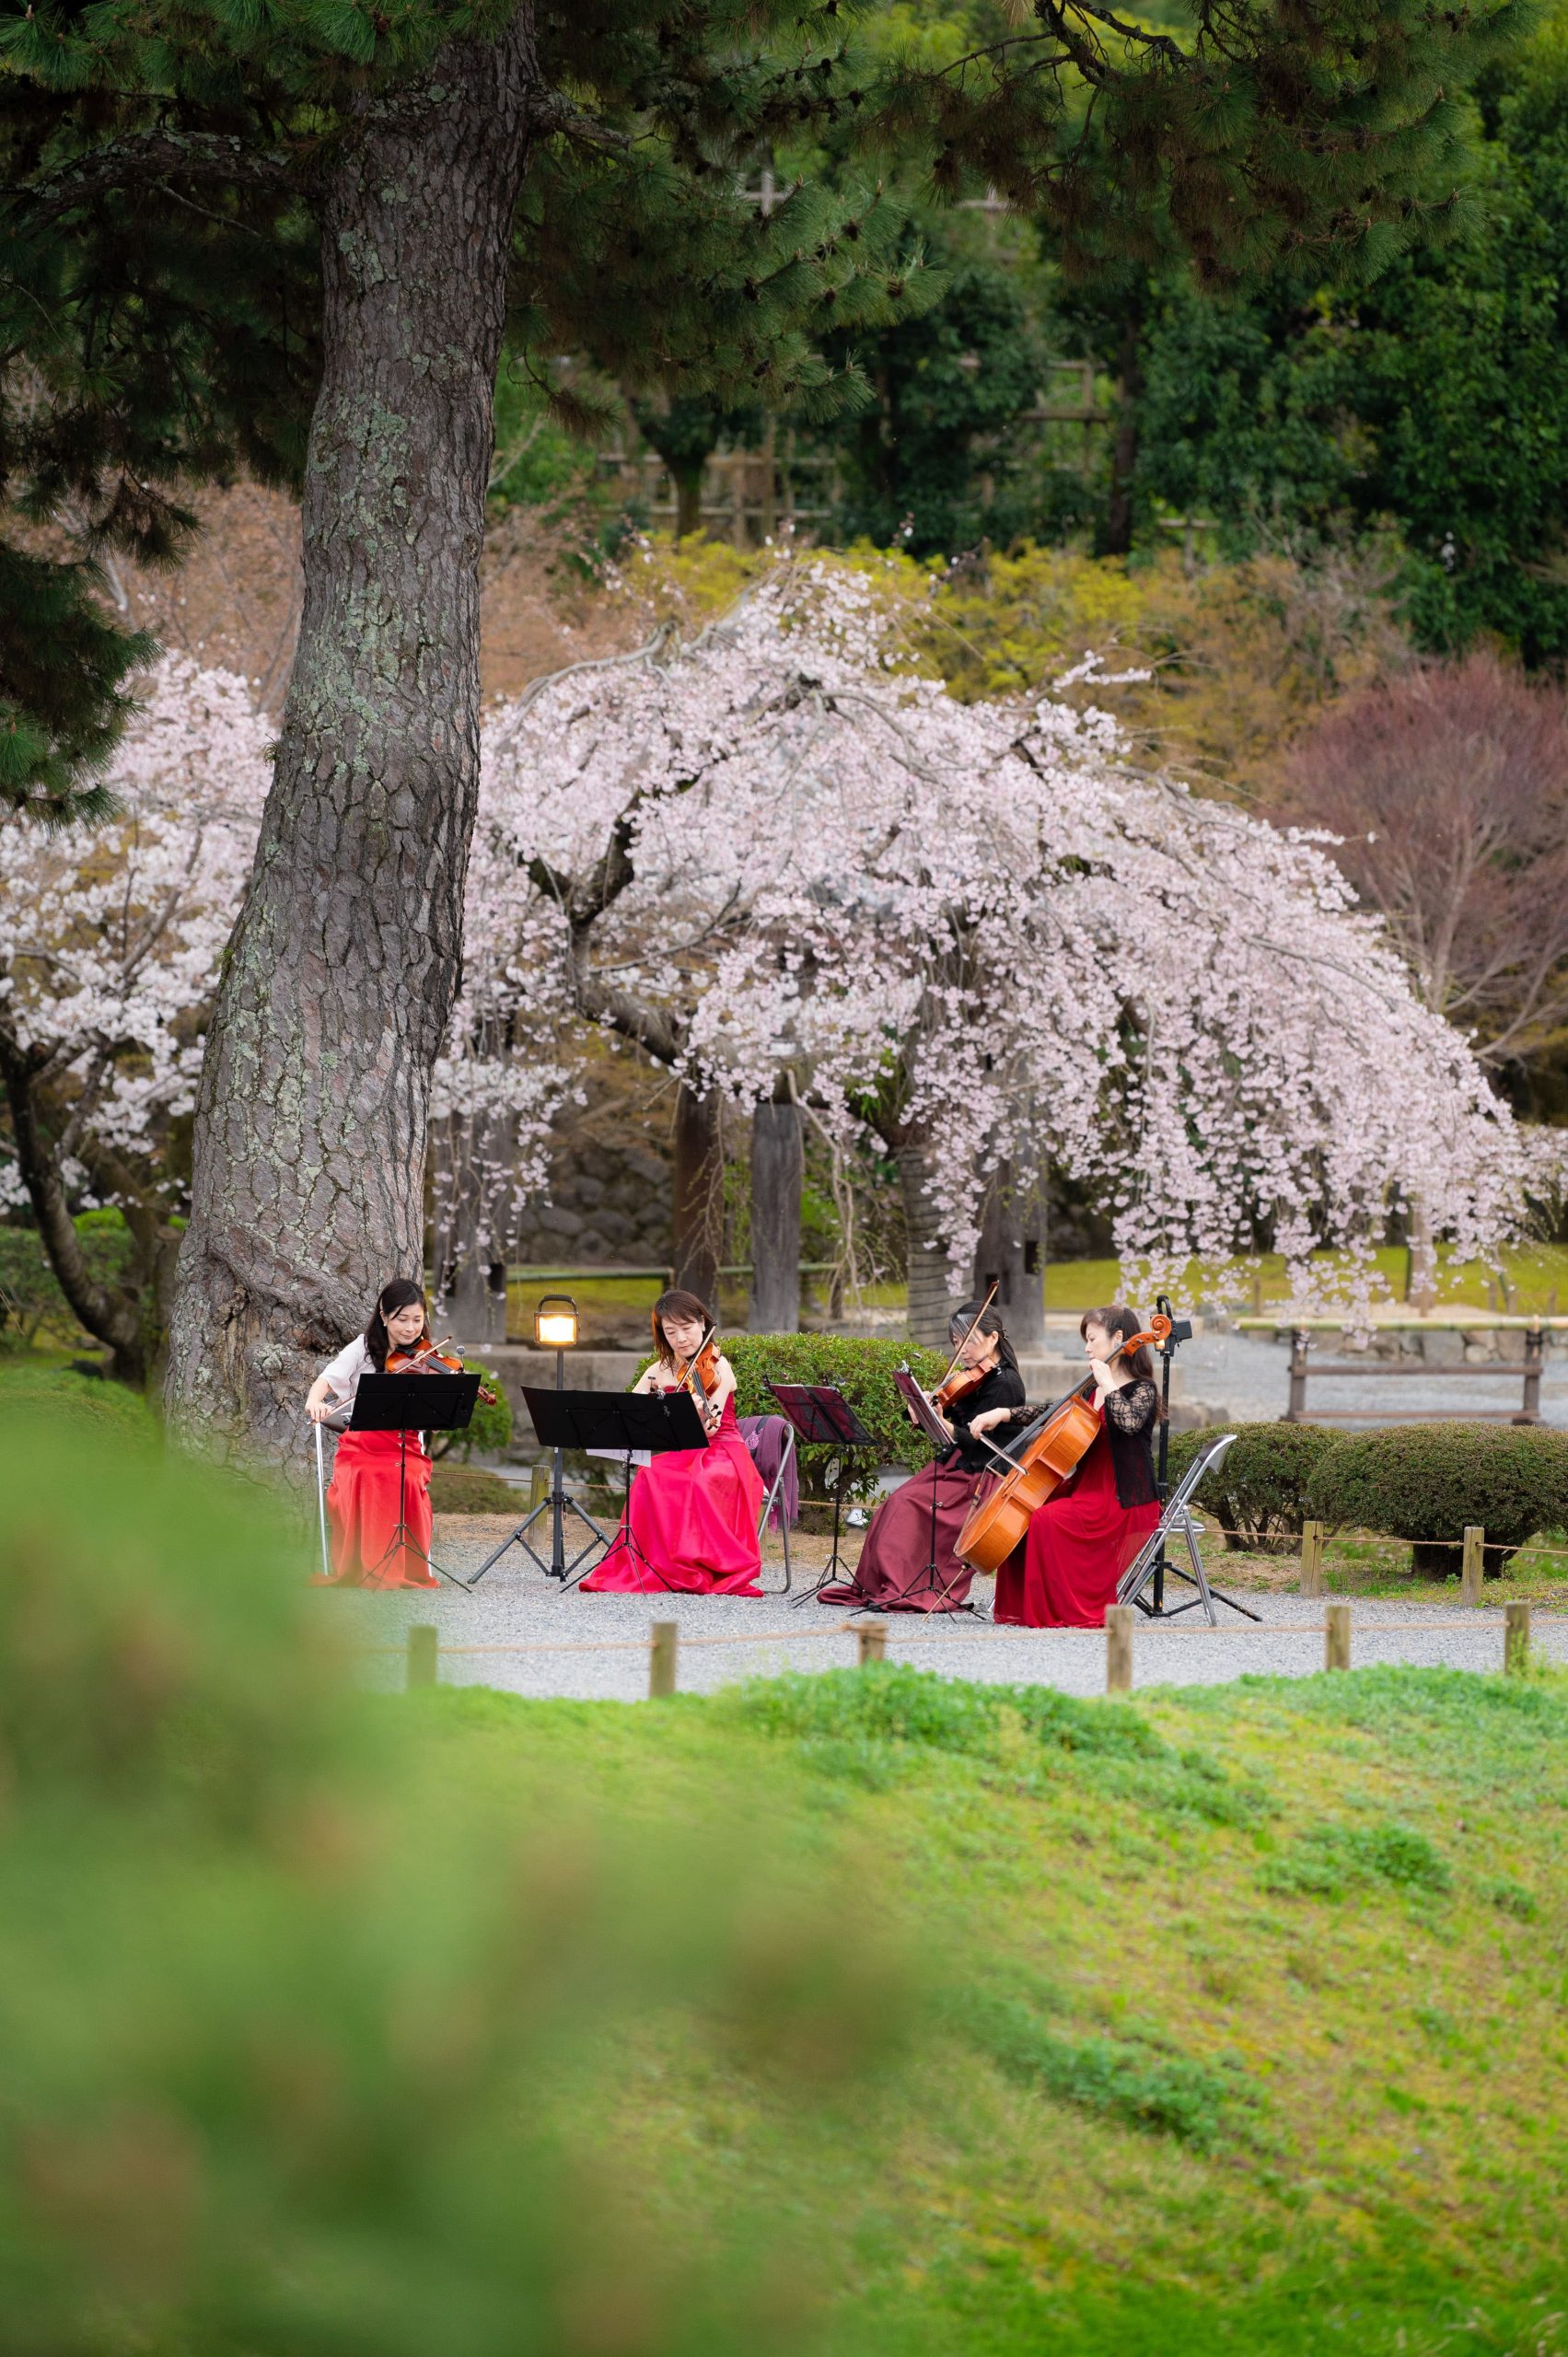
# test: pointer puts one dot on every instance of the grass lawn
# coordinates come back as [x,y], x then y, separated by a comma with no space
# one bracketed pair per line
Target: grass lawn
[1535,1276]
[615,1309]
[1231,2019]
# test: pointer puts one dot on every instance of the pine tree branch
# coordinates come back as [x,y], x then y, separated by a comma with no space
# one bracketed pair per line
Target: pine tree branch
[145,158]
[1154,44]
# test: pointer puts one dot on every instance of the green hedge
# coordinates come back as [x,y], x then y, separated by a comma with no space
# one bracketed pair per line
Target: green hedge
[1426,1482]
[490,1431]
[864,1373]
[1259,1492]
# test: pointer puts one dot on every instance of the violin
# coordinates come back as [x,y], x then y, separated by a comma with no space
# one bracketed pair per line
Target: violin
[432,1358]
[699,1374]
[1049,1453]
[960,1380]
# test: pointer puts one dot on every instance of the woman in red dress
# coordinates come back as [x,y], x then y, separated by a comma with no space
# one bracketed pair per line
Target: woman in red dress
[690,1519]
[376,1482]
[1081,1539]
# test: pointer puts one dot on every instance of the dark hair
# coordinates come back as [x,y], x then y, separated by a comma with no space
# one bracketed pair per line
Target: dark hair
[676,1304]
[400,1293]
[1118,1321]
[989,1321]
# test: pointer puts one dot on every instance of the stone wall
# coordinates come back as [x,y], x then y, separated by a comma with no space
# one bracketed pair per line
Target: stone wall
[611,1178]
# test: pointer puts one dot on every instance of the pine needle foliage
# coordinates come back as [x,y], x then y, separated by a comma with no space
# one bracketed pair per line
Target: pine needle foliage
[162,163]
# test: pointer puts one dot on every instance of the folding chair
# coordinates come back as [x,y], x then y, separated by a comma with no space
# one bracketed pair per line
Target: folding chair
[1177,1522]
[774,1494]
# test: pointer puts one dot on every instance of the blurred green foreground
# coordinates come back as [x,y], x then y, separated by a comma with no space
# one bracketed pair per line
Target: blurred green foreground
[854,2013]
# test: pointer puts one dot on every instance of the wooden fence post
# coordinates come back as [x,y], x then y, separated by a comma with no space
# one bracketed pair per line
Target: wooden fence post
[870,1642]
[424,1656]
[661,1659]
[1118,1649]
[1336,1649]
[539,1487]
[1472,1562]
[1311,1558]
[1295,1413]
[1516,1638]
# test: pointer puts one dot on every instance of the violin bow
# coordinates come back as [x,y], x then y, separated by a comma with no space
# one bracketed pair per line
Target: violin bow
[688,1379]
[974,1321]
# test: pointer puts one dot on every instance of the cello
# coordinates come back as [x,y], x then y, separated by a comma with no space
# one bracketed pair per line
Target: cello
[1048,1454]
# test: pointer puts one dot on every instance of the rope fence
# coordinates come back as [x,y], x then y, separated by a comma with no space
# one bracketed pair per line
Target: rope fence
[662,1644]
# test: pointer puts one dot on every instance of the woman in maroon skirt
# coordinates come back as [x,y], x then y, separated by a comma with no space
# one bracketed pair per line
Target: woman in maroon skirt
[378,1482]
[1081,1540]
[908,1563]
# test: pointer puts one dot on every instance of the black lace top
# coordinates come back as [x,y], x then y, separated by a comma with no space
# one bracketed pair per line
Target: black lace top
[1130,1417]
[1003,1387]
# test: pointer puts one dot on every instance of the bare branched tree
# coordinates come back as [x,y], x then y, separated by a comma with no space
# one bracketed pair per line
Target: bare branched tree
[1449,787]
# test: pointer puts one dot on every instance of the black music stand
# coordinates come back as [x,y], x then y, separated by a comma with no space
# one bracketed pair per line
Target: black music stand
[617,1423]
[413,1403]
[822,1417]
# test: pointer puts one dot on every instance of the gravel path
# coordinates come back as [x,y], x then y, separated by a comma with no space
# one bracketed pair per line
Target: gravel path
[1247,1376]
[513,1607]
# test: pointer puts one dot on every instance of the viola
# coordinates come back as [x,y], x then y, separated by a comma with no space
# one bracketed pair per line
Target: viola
[1049,1453]
[432,1358]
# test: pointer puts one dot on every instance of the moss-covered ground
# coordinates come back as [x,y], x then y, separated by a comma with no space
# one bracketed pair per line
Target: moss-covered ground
[1230,2019]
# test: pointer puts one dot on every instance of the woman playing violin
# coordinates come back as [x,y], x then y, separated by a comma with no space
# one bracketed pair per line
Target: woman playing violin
[690,1519]
[894,1573]
[376,1483]
[1081,1539]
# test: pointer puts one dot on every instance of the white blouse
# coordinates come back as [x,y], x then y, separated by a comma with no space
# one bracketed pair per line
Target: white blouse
[343,1372]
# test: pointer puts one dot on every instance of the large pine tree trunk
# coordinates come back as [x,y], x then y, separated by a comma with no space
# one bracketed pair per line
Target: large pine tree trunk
[778,1168]
[311,1127]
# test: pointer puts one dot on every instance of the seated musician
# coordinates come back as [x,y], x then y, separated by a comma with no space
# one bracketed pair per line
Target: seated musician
[908,1563]
[1081,1539]
[377,1482]
[690,1516]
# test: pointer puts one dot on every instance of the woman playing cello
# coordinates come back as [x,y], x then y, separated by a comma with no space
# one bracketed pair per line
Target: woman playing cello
[690,1519]
[921,1520]
[375,1485]
[1081,1539]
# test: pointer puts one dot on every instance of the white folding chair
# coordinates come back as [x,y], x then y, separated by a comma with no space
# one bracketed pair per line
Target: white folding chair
[1177,1522]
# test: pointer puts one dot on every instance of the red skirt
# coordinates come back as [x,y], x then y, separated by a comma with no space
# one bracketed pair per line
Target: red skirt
[690,1522]
[895,1572]
[1078,1545]
[363,1499]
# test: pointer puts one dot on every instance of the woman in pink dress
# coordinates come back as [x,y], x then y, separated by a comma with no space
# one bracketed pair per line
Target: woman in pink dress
[690,1519]
[1081,1539]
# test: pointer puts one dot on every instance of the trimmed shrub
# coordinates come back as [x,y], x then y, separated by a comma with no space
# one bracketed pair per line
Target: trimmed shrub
[1426,1482]
[489,1430]
[862,1370]
[1259,1492]
[472,1489]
